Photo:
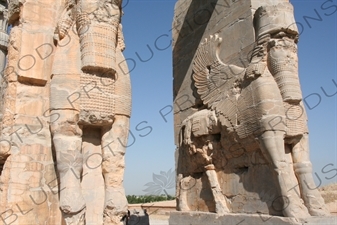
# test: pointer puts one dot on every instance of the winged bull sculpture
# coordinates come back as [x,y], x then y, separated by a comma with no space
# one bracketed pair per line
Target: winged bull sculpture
[262,102]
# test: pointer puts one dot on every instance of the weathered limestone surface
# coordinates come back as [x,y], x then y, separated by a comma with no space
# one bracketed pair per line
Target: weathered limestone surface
[240,125]
[28,193]
[200,218]
[66,113]
[3,45]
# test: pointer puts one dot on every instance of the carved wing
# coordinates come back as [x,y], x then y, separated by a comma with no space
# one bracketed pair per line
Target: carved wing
[216,83]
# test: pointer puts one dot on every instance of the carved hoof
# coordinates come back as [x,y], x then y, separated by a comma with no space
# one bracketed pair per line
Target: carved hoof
[115,199]
[115,206]
[66,209]
[319,212]
[112,220]
[316,205]
[297,211]
[75,218]
[71,201]
[222,211]
[183,207]
[5,150]
[109,205]
[221,207]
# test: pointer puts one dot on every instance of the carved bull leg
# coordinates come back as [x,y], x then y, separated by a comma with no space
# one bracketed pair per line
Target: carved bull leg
[303,170]
[219,199]
[67,142]
[181,189]
[272,147]
[114,142]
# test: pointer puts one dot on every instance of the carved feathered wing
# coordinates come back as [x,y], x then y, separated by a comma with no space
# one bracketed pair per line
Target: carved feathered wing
[216,83]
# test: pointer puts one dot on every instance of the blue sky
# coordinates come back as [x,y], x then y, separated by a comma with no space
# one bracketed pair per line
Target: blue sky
[152,146]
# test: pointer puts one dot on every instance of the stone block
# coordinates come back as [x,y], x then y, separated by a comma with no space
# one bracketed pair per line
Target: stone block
[35,57]
[199,218]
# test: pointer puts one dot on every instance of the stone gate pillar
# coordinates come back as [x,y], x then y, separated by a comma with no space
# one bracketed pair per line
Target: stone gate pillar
[28,182]
[235,71]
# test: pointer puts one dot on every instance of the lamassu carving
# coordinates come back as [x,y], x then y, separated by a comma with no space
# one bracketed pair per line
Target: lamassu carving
[258,107]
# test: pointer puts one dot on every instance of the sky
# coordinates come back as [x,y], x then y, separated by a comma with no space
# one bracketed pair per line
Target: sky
[151,143]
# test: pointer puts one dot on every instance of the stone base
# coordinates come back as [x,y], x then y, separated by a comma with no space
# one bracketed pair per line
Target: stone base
[203,218]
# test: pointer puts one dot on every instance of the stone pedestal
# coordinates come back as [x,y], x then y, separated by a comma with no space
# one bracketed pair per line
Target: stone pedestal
[201,218]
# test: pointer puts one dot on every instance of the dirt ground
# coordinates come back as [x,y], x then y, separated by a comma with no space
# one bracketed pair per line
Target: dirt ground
[161,217]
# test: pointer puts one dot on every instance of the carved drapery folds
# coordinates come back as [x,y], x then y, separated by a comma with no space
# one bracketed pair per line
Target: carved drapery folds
[98,36]
[66,114]
[101,43]
[96,116]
